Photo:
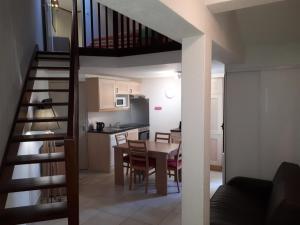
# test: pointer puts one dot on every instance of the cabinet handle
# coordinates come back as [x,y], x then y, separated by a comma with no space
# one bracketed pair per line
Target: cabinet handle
[130,91]
[117,90]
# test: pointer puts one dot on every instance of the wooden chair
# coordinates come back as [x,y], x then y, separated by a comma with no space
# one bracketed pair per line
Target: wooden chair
[140,162]
[121,139]
[175,165]
[162,137]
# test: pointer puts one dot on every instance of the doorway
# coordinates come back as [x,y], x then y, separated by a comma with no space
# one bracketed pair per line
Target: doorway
[216,126]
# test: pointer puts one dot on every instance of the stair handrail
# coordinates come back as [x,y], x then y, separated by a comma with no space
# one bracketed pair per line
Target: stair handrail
[71,141]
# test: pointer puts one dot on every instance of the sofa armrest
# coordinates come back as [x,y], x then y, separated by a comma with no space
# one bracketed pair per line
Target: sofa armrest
[257,187]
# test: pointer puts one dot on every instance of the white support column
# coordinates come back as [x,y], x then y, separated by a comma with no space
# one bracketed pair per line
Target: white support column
[196,79]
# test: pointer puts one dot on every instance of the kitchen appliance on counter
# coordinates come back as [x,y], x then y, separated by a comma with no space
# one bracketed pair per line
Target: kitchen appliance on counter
[100,126]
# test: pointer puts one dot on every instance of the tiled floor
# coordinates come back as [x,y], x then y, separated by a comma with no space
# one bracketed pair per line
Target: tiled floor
[102,203]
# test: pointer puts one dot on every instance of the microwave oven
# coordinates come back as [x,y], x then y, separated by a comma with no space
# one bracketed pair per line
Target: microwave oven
[121,102]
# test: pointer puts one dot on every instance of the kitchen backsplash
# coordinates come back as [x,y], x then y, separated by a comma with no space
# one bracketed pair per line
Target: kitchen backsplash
[109,118]
[138,113]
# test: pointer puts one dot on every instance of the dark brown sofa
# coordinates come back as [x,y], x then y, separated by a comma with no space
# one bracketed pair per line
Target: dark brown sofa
[247,201]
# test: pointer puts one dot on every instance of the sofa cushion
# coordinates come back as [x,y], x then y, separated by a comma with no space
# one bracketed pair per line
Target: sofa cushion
[284,204]
[231,206]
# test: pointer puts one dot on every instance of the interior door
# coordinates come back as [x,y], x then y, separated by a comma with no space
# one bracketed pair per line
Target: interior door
[83,156]
[216,132]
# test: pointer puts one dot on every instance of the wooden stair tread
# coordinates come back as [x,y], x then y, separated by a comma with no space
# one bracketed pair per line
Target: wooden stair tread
[48,78]
[37,158]
[40,104]
[52,53]
[37,183]
[53,58]
[40,137]
[45,119]
[51,67]
[35,213]
[47,90]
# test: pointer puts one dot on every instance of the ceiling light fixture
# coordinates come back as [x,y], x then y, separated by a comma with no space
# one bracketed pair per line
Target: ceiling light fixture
[54,3]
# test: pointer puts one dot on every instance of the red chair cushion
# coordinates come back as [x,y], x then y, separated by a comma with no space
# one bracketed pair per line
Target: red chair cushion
[172,163]
[152,163]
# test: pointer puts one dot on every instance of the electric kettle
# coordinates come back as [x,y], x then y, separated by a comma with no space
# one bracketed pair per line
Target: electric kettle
[100,126]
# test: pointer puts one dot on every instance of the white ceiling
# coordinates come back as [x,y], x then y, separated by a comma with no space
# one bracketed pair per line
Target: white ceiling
[154,71]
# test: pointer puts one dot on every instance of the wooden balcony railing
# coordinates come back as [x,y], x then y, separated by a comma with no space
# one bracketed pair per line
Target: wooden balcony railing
[108,32]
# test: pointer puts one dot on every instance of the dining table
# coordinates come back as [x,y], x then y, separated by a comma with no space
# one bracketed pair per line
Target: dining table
[160,151]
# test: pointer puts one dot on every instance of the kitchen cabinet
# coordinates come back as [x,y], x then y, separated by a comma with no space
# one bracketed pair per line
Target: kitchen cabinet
[101,151]
[107,94]
[122,87]
[127,87]
[100,94]
[134,88]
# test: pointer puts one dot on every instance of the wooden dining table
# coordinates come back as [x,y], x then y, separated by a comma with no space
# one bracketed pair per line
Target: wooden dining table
[157,150]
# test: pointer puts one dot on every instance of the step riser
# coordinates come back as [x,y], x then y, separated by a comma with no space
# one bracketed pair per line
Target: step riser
[46,137]
[51,68]
[29,214]
[48,90]
[39,158]
[53,63]
[41,120]
[54,54]
[48,78]
[30,184]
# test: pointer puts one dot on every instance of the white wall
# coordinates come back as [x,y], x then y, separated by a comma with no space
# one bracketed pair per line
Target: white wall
[262,112]
[63,24]
[21,29]
[170,115]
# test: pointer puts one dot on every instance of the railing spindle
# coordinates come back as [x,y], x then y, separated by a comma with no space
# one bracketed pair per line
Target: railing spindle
[116,29]
[122,31]
[128,32]
[84,24]
[106,26]
[146,36]
[133,33]
[140,35]
[99,25]
[92,23]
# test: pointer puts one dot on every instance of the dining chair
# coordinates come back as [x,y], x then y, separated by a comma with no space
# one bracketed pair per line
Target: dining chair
[175,165]
[121,139]
[162,137]
[140,162]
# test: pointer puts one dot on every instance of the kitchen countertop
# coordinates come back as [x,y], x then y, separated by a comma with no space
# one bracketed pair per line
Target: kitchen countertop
[121,128]
[176,130]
